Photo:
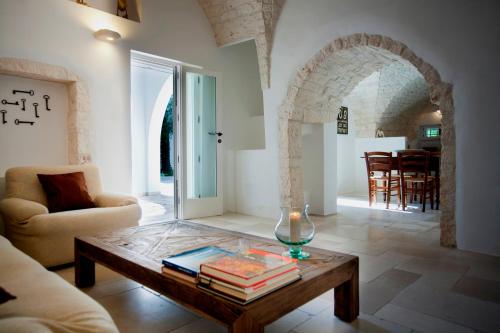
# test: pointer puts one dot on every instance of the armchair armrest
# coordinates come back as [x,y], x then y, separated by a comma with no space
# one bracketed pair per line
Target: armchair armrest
[21,210]
[114,200]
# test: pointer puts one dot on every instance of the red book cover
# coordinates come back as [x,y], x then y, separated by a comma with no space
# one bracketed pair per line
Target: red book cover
[249,268]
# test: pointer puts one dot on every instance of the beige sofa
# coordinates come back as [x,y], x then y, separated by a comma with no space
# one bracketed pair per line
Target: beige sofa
[45,302]
[49,238]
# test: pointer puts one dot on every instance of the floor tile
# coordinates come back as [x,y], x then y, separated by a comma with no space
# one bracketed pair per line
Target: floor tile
[435,272]
[371,267]
[486,290]
[110,287]
[418,321]
[138,310]
[377,293]
[287,322]
[316,306]
[326,322]
[463,310]
[201,325]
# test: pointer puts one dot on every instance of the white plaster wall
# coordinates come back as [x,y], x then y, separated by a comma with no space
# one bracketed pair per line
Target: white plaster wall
[313,167]
[60,32]
[44,143]
[465,55]
[319,157]
[330,168]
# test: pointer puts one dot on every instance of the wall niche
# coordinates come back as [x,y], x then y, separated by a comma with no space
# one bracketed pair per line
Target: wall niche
[128,9]
[33,122]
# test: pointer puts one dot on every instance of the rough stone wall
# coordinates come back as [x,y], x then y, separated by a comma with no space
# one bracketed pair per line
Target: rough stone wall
[308,100]
[79,103]
[235,21]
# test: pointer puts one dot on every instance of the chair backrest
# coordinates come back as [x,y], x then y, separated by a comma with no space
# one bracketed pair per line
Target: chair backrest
[22,182]
[378,161]
[414,161]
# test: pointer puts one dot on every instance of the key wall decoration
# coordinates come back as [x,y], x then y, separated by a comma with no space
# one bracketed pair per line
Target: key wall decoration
[23,111]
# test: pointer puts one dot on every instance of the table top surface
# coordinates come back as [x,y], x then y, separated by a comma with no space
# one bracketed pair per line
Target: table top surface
[148,245]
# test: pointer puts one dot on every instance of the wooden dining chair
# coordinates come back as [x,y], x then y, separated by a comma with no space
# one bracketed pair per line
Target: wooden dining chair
[415,178]
[380,177]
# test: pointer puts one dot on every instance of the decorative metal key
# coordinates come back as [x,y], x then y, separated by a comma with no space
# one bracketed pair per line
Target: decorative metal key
[29,92]
[46,98]
[23,100]
[4,101]
[17,122]
[35,105]
[3,112]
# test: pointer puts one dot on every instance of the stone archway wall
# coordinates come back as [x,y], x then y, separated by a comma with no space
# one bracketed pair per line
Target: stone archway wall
[294,111]
[78,96]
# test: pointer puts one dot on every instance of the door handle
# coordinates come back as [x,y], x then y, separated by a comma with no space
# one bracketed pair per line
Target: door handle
[216,133]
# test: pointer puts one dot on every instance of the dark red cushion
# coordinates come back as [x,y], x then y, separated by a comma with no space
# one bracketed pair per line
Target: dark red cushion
[5,296]
[66,191]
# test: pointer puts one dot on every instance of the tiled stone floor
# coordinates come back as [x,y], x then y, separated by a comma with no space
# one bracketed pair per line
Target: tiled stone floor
[408,283]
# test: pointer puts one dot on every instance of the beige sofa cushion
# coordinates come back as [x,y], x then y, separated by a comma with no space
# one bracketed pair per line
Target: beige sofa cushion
[23,183]
[45,302]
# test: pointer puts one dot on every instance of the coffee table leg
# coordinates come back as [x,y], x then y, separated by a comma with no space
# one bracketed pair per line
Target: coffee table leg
[347,298]
[245,325]
[84,270]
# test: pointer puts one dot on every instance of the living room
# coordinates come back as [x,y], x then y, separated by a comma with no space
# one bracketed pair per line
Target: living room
[256,87]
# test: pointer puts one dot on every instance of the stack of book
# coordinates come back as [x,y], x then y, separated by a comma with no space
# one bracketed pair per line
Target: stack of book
[246,277]
[242,277]
[186,265]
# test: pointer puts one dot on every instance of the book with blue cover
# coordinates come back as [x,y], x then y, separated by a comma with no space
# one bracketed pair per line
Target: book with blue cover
[189,262]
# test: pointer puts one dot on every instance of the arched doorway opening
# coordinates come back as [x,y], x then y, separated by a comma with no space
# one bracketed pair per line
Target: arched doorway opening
[314,97]
[152,99]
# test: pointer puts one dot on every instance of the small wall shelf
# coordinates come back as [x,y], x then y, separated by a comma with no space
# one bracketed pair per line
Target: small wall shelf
[132,11]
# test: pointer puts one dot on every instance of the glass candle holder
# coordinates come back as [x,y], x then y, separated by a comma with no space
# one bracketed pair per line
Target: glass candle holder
[295,230]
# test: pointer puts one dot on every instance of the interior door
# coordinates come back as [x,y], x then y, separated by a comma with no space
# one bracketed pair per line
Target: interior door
[201,190]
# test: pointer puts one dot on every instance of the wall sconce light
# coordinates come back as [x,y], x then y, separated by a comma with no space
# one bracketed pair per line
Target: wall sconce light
[107,35]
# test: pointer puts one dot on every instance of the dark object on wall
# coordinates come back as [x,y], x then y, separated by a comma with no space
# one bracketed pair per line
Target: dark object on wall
[35,106]
[4,101]
[23,100]
[29,92]
[46,98]
[3,112]
[18,122]
[342,121]
[121,8]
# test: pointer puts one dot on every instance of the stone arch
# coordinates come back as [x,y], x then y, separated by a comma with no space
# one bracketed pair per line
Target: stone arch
[154,135]
[293,112]
[78,98]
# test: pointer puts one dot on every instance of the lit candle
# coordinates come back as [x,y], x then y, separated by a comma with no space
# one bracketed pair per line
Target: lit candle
[295,227]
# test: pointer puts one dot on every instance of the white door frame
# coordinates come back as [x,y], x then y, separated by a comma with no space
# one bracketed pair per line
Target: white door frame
[195,207]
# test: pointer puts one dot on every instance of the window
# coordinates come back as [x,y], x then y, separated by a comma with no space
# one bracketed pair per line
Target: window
[432,132]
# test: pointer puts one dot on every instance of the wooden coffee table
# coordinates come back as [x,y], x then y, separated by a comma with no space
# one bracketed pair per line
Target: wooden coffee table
[137,253]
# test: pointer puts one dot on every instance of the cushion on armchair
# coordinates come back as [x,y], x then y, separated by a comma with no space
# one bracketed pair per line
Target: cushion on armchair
[66,191]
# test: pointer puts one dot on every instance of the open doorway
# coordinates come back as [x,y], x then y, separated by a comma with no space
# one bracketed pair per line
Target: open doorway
[153,132]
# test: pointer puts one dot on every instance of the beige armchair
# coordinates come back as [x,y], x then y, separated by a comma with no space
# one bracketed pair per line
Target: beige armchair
[49,237]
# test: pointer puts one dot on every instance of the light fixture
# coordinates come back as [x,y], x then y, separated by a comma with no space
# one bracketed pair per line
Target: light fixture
[107,35]
[438,112]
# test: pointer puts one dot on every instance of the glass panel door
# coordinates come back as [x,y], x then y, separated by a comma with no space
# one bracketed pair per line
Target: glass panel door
[201,145]
[201,189]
